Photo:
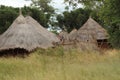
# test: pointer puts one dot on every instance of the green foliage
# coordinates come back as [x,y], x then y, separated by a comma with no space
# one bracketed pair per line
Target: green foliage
[75,18]
[114,32]
[110,14]
[43,5]
[115,41]
[90,4]
[37,14]
[9,14]
[46,8]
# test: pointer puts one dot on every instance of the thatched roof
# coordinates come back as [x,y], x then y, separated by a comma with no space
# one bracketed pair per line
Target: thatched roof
[86,36]
[49,35]
[73,34]
[23,35]
[63,34]
[92,30]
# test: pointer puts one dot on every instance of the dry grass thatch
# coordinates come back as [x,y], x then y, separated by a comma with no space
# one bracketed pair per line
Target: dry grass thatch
[89,33]
[73,35]
[64,35]
[91,29]
[49,35]
[22,34]
[86,36]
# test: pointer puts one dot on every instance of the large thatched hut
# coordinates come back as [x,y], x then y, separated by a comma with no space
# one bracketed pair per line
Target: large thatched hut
[92,32]
[23,35]
[49,35]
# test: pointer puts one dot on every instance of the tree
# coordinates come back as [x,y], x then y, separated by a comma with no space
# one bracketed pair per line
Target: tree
[38,15]
[90,4]
[75,19]
[45,7]
[8,15]
[110,13]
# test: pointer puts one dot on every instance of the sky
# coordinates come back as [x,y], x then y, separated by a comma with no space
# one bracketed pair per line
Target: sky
[15,3]
[20,3]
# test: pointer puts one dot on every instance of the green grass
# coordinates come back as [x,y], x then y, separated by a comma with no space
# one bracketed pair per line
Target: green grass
[56,64]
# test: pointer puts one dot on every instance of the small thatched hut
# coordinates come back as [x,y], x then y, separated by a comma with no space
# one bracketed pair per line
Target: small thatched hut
[23,35]
[49,35]
[73,35]
[92,32]
[64,38]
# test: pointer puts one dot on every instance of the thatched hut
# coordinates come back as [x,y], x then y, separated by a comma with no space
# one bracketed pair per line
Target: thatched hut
[64,38]
[22,35]
[92,32]
[73,35]
[49,35]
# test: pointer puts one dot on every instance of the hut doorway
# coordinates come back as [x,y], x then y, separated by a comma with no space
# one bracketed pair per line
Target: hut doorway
[103,43]
[19,52]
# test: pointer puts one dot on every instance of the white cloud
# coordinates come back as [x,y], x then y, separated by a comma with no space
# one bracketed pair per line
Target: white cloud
[59,4]
[15,3]
[20,3]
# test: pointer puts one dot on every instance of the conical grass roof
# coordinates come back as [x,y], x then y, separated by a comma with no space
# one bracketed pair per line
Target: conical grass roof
[92,30]
[23,35]
[49,35]
[73,34]
[63,34]
[86,36]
